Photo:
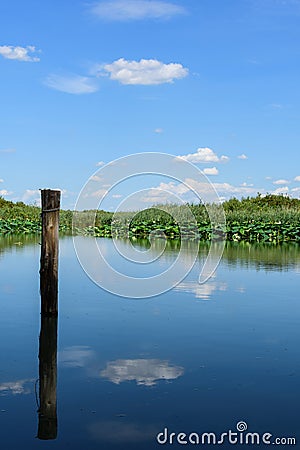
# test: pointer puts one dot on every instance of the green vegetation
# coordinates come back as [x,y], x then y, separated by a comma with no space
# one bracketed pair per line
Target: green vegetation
[272,218]
[18,218]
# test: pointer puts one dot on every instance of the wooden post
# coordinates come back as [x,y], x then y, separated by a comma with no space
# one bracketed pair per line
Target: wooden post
[47,427]
[49,252]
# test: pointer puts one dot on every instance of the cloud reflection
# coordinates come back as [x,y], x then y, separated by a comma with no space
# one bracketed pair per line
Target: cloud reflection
[203,291]
[76,356]
[144,371]
[117,432]
[15,387]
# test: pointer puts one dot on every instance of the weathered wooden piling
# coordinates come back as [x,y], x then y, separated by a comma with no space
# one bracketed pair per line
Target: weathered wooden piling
[49,252]
[47,414]
[47,427]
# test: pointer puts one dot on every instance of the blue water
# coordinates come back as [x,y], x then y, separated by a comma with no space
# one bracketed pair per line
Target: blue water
[199,358]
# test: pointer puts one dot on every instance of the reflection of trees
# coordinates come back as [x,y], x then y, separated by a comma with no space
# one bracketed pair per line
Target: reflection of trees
[18,241]
[258,255]
[262,256]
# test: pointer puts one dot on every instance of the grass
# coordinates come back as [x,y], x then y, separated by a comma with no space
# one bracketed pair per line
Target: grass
[271,218]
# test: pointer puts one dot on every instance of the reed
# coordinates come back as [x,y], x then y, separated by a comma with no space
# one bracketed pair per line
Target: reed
[270,218]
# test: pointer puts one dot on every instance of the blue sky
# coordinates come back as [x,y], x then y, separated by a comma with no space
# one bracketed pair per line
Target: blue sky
[87,82]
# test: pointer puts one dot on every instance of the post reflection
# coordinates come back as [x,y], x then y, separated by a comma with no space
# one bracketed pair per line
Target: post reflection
[47,413]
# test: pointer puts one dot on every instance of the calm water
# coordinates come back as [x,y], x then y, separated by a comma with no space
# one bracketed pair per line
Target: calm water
[199,358]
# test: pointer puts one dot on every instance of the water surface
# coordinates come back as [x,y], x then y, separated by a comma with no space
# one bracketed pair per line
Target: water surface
[198,358]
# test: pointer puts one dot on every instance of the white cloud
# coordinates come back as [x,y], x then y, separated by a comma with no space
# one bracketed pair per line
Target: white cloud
[157,196]
[64,192]
[243,156]
[144,371]
[281,190]
[29,194]
[227,188]
[7,150]
[297,189]
[280,182]
[211,171]
[278,7]
[19,53]
[143,72]
[95,178]
[117,196]
[276,105]
[1,180]
[247,184]
[158,130]
[72,84]
[203,155]
[123,10]
[165,192]
[99,193]
[177,189]
[100,163]
[297,178]
[224,188]
[34,195]
[5,192]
